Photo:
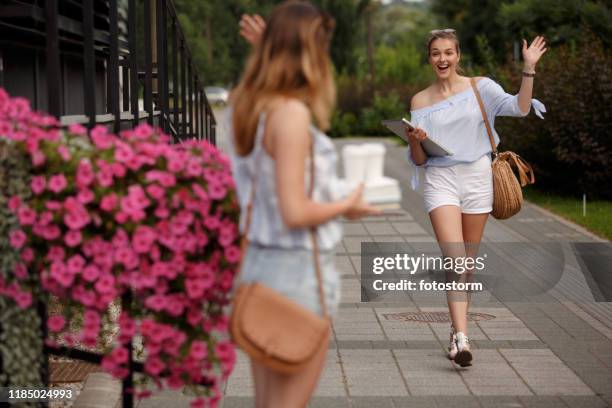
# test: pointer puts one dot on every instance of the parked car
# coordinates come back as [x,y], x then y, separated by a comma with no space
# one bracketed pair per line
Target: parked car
[216,95]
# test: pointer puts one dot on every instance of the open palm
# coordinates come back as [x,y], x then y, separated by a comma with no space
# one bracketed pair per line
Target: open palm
[533,53]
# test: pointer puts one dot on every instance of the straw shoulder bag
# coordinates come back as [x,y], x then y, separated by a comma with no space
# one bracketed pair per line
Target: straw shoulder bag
[507,193]
[271,328]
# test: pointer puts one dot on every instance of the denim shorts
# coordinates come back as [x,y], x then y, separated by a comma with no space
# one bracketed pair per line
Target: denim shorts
[291,272]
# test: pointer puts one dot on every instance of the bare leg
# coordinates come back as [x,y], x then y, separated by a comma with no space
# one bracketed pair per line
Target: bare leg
[473,227]
[446,221]
[259,379]
[288,391]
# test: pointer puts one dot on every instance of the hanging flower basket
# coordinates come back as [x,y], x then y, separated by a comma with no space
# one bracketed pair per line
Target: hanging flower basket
[132,212]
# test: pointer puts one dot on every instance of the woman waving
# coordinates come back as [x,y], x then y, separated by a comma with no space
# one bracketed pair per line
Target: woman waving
[458,189]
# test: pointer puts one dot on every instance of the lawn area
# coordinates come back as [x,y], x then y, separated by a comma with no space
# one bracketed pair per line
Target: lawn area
[598,213]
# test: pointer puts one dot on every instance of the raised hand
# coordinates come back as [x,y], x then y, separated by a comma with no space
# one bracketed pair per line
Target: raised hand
[252,28]
[533,53]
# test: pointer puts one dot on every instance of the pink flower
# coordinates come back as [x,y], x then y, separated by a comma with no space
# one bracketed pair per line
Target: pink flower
[38,158]
[73,238]
[84,175]
[60,274]
[105,177]
[38,184]
[27,255]
[85,196]
[123,152]
[14,202]
[143,238]
[77,215]
[20,271]
[155,191]
[198,350]
[164,178]
[105,284]
[175,381]
[64,153]
[127,327]
[232,253]
[216,190]
[57,183]
[120,355]
[226,280]
[26,216]
[53,205]
[77,129]
[143,131]
[23,299]
[88,298]
[194,317]
[17,238]
[52,232]
[91,319]
[56,323]
[154,366]
[75,264]
[194,288]
[118,170]
[101,138]
[156,302]
[174,307]
[91,273]
[126,256]
[108,202]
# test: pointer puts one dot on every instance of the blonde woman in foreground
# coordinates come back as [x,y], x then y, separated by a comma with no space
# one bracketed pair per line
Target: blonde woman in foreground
[286,86]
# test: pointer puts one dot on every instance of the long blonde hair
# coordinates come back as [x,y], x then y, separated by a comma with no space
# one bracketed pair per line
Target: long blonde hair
[291,60]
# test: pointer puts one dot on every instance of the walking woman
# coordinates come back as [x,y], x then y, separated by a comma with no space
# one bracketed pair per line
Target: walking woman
[458,189]
[287,86]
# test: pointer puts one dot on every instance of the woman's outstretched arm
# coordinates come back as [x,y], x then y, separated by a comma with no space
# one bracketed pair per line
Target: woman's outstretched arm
[531,56]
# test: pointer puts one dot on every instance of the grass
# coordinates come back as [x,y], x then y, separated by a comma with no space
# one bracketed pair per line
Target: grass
[598,217]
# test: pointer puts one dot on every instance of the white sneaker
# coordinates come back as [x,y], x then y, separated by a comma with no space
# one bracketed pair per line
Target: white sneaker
[452,347]
[463,356]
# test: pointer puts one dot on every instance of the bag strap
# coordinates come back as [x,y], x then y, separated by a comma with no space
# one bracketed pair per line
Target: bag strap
[313,230]
[484,115]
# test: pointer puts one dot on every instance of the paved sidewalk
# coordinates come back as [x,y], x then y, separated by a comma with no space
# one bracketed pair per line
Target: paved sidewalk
[557,353]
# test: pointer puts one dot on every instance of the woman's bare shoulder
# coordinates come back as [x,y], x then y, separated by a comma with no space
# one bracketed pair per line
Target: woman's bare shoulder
[421,99]
[288,120]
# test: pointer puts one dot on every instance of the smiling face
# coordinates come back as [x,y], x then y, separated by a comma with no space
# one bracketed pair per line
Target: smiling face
[444,57]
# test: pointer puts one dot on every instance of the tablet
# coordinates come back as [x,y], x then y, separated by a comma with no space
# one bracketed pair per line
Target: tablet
[432,148]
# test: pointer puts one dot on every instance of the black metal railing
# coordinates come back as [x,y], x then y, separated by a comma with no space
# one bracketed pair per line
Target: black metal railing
[105,34]
[135,48]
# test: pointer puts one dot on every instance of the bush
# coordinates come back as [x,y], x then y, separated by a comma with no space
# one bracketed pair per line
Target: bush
[385,106]
[343,124]
[571,150]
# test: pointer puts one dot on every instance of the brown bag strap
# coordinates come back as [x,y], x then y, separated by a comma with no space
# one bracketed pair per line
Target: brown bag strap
[484,115]
[313,230]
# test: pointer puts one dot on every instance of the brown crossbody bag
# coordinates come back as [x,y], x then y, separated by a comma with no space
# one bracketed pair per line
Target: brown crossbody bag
[270,327]
[507,193]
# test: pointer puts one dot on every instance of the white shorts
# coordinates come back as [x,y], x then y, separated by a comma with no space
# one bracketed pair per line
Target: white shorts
[468,186]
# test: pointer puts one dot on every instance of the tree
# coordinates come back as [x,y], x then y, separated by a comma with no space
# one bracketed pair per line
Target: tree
[559,21]
[472,18]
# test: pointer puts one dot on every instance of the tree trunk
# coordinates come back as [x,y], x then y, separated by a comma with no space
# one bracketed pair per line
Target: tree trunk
[370,47]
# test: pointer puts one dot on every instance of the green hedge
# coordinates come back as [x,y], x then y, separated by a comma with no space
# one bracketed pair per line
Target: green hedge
[571,150]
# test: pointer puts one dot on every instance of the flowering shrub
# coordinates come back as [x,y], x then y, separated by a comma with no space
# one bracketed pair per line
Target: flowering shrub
[108,214]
